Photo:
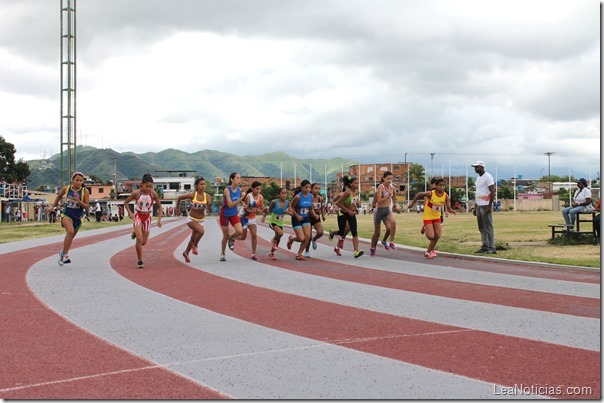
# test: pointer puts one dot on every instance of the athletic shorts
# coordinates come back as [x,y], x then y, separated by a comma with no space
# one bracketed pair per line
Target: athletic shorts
[224,221]
[314,220]
[76,221]
[201,221]
[246,222]
[430,222]
[305,222]
[142,219]
[381,214]
[273,225]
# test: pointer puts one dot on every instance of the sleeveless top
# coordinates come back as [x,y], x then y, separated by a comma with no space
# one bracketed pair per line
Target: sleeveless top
[304,205]
[197,204]
[144,204]
[277,213]
[72,208]
[348,201]
[252,203]
[317,205]
[435,206]
[235,195]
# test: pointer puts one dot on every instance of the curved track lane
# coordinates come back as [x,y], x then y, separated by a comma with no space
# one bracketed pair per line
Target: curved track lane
[394,326]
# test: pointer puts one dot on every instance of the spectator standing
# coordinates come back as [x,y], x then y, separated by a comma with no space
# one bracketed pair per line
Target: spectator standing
[597,221]
[97,211]
[485,194]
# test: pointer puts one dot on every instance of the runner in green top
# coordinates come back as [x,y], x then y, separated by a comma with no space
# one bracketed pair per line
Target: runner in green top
[277,209]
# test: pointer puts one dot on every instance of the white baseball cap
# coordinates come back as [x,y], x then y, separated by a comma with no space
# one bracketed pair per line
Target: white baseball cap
[478,164]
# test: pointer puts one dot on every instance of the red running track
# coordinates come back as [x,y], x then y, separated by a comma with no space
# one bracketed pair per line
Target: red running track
[45,356]
[480,355]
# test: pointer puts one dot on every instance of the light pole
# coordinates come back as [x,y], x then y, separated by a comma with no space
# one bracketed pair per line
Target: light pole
[115,175]
[549,178]
[407,168]
[432,164]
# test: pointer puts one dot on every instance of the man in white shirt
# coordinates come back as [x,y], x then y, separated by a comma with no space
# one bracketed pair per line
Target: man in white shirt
[581,202]
[485,194]
[97,211]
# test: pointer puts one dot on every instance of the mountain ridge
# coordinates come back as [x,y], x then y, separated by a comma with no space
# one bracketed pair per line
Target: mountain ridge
[210,164]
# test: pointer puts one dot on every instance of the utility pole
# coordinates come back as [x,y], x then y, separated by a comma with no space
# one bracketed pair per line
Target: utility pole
[408,184]
[115,175]
[68,90]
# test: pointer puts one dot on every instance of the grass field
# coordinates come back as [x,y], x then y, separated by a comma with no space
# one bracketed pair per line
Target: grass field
[526,233]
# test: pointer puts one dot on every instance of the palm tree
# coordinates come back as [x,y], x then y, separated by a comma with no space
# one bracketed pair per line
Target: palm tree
[417,178]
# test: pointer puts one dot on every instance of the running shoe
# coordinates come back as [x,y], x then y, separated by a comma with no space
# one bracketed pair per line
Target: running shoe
[61,258]
[314,245]
[271,256]
[140,264]
[194,250]
[341,243]
[255,258]
[222,258]
[433,254]
[337,251]
[66,259]
[331,235]
[358,253]
[371,251]
[385,245]
[290,241]
[307,255]
[186,256]
[300,257]
[231,243]
[392,246]
[427,255]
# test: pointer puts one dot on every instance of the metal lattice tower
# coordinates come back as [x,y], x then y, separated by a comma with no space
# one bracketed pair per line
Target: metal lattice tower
[68,90]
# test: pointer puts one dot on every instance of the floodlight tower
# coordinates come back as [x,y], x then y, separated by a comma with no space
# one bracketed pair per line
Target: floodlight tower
[68,90]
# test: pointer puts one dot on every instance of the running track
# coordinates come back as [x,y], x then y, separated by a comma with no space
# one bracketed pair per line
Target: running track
[395,326]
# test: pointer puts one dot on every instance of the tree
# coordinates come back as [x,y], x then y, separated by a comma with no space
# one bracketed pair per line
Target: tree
[11,171]
[270,192]
[505,192]
[417,178]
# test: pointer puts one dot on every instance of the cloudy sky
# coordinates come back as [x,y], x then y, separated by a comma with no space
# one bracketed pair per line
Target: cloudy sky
[502,81]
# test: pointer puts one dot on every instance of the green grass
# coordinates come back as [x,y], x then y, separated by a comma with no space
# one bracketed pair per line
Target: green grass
[526,233]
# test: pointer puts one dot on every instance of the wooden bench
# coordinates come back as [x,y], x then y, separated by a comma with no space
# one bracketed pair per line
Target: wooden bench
[589,217]
[558,229]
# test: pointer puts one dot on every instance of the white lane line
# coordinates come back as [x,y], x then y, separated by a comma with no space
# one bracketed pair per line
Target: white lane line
[79,378]
[171,365]
[394,336]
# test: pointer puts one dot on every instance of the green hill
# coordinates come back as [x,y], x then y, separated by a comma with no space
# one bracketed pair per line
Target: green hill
[210,164]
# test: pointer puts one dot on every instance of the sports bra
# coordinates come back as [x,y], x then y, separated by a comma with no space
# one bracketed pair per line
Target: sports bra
[197,204]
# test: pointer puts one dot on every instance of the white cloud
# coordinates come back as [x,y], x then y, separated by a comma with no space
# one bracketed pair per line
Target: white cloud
[359,79]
